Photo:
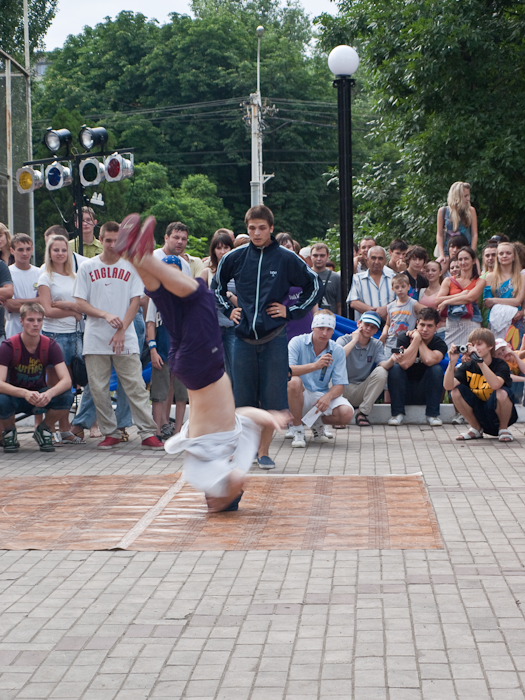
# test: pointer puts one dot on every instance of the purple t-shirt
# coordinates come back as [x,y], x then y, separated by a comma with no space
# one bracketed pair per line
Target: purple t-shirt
[302,325]
[29,373]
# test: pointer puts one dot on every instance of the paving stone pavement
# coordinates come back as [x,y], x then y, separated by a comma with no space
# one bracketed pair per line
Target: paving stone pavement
[283,625]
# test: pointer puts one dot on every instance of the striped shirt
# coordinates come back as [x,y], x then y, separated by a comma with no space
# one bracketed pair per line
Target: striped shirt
[366,290]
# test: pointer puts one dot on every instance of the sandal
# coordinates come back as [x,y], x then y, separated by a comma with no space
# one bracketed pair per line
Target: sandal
[124,435]
[69,438]
[362,420]
[504,435]
[471,434]
[78,433]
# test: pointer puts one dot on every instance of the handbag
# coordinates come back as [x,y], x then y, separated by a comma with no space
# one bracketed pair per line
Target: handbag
[79,376]
[457,311]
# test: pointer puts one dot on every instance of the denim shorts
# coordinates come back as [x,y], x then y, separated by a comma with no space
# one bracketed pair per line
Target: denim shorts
[11,405]
[68,342]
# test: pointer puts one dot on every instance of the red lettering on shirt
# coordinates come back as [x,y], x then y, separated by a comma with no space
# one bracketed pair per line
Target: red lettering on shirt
[103,273]
[128,275]
[97,275]
[91,275]
[115,272]
[120,274]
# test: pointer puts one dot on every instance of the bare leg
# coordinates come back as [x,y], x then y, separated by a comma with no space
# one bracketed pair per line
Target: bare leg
[465,410]
[503,408]
[180,410]
[154,272]
[266,439]
[295,399]
[342,415]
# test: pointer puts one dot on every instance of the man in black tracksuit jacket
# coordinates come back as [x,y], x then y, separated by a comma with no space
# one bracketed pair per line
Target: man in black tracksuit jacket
[264,272]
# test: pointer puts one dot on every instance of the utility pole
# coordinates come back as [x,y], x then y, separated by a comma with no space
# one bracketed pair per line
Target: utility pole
[255,117]
[29,123]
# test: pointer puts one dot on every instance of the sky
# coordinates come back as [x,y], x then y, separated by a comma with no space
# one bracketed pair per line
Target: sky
[72,16]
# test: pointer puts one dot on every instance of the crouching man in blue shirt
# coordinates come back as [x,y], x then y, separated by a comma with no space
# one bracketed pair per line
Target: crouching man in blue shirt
[316,362]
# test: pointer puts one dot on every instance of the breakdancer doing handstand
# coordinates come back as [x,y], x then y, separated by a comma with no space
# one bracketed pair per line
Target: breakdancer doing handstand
[220,442]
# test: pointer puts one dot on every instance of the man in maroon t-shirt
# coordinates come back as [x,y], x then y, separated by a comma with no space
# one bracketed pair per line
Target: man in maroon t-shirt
[23,362]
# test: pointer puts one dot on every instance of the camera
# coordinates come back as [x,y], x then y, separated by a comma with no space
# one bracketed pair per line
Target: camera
[398,351]
[462,349]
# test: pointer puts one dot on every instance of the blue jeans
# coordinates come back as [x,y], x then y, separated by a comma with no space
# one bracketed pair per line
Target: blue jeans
[70,344]
[425,392]
[228,343]
[87,415]
[260,373]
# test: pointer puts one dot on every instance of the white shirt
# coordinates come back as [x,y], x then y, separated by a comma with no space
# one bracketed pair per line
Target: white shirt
[25,284]
[366,290]
[159,253]
[108,288]
[61,289]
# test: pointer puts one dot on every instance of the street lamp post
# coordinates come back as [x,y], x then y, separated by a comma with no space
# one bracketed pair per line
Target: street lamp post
[343,62]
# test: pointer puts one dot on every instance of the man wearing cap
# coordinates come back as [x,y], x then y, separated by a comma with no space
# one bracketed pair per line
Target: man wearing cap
[315,362]
[367,366]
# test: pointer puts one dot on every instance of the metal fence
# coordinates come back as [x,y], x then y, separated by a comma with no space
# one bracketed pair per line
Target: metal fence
[16,210]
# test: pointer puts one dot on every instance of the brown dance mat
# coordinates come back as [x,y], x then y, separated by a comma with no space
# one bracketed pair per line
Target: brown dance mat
[164,514]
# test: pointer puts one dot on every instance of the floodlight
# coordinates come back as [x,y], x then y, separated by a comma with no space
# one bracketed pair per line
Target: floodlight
[118,168]
[92,136]
[91,172]
[28,179]
[58,176]
[54,139]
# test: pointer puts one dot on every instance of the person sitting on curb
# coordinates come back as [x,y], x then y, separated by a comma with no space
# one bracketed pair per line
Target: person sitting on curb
[366,364]
[482,389]
[23,361]
[315,361]
[417,377]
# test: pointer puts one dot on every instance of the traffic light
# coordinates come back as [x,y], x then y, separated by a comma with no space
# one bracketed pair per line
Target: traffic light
[28,179]
[118,168]
[92,172]
[92,136]
[58,176]
[54,139]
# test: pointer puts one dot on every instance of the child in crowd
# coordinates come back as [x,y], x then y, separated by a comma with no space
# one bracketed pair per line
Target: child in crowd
[454,268]
[401,313]
[504,351]
[416,259]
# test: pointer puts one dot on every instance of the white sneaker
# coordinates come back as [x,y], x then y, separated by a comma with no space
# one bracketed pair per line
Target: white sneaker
[434,421]
[298,439]
[319,432]
[458,419]
[291,432]
[396,420]
[328,434]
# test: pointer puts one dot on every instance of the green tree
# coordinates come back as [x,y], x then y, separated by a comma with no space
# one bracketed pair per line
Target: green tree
[174,92]
[447,88]
[40,16]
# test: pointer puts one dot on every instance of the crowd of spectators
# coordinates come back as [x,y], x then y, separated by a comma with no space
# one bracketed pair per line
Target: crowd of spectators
[276,308]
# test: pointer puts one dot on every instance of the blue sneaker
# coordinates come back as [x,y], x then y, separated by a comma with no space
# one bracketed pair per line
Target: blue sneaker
[265,462]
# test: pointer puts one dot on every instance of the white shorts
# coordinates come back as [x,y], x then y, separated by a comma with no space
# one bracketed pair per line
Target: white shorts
[210,458]
[310,398]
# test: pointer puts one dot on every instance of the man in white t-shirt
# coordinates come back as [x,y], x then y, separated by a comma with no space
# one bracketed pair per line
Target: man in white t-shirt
[25,282]
[108,291]
[173,245]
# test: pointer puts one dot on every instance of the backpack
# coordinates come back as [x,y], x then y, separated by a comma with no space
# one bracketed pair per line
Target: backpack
[45,342]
